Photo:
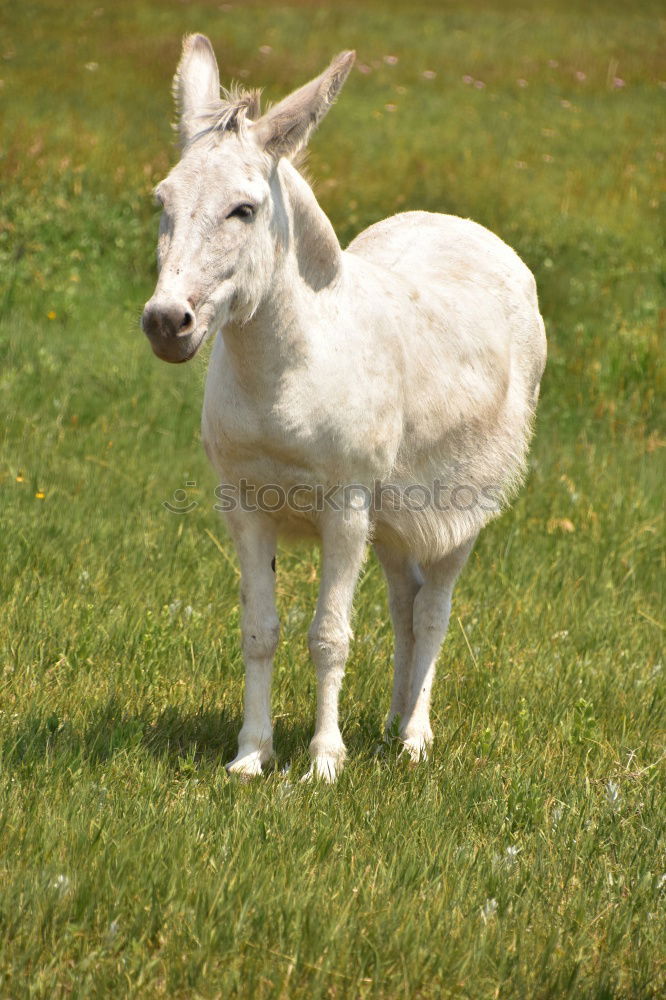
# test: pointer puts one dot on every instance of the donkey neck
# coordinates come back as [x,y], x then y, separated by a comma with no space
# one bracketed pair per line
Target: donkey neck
[312,238]
[308,268]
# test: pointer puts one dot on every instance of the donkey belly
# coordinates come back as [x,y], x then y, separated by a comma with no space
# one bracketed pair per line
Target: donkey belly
[474,350]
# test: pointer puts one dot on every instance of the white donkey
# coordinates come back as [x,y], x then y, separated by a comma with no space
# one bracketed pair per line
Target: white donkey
[383,393]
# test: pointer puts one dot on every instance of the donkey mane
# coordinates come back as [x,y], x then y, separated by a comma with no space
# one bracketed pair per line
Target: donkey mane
[234,109]
[233,112]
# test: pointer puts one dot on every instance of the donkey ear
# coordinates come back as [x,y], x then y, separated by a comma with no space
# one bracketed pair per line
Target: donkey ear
[196,85]
[286,128]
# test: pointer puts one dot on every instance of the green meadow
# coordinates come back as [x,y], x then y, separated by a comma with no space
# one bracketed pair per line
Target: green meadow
[527,857]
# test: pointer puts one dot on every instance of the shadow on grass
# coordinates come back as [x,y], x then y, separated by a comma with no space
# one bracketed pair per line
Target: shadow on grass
[176,735]
[111,730]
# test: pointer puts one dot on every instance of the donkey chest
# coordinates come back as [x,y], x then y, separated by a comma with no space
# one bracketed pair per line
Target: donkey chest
[246,442]
[298,432]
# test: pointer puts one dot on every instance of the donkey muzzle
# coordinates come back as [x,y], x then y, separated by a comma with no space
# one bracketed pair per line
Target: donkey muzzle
[171,329]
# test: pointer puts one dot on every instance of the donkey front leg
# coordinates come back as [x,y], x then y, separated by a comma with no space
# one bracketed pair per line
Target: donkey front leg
[343,550]
[255,539]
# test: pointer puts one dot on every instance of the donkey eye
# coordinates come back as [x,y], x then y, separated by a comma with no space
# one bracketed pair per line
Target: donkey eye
[243,211]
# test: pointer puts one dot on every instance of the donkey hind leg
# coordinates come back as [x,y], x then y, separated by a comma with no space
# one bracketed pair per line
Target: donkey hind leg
[432,607]
[404,580]
[255,540]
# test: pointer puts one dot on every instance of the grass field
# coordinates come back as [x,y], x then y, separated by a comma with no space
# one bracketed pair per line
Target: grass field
[527,858]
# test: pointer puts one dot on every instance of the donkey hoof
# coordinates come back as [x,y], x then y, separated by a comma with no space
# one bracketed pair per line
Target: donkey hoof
[249,765]
[324,768]
[416,747]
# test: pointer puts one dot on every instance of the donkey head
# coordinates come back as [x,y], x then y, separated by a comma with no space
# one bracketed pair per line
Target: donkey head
[223,218]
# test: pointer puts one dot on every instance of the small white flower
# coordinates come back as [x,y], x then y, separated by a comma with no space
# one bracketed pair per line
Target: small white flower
[61,884]
[613,793]
[488,910]
[286,790]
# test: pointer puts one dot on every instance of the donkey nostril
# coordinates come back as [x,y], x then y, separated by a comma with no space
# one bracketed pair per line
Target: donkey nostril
[167,319]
